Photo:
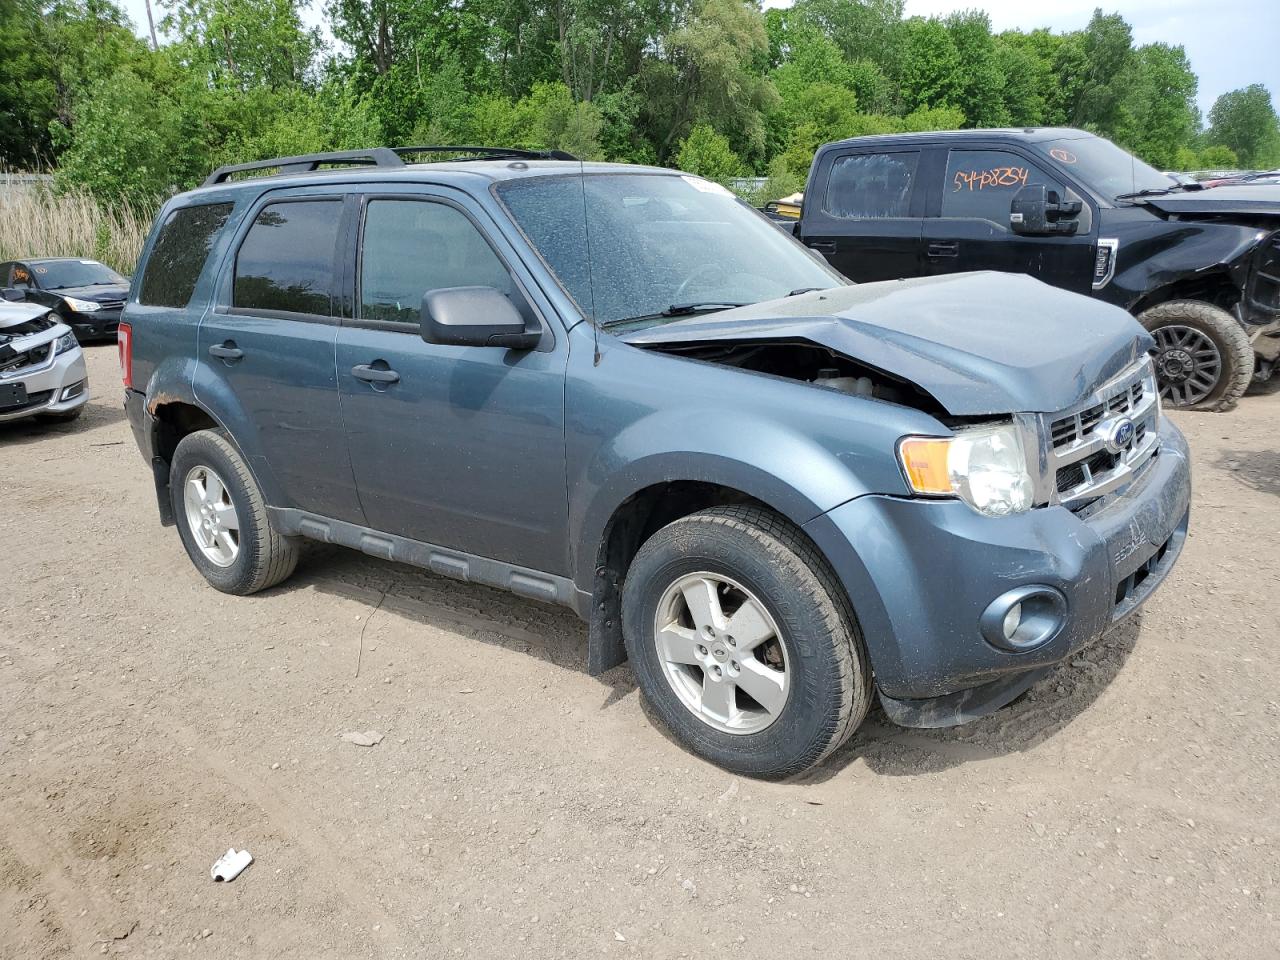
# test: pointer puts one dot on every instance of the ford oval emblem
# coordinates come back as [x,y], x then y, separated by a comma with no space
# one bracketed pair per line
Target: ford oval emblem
[1117,434]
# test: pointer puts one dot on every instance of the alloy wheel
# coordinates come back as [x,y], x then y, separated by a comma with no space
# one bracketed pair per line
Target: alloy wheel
[211,516]
[722,653]
[1188,364]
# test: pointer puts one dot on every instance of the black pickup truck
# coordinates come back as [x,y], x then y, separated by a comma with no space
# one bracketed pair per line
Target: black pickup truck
[1200,268]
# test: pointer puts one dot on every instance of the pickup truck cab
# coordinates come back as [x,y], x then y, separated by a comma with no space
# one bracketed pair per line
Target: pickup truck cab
[1199,268]
[621,389]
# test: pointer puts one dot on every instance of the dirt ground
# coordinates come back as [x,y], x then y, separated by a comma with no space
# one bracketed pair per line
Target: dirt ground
[518,807]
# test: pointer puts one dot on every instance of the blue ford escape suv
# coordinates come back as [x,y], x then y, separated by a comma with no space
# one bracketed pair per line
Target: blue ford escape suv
[620,389]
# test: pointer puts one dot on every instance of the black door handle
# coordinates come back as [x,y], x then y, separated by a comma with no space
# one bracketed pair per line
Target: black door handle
[227,350]
[944,248]
[371,374]
[824,247]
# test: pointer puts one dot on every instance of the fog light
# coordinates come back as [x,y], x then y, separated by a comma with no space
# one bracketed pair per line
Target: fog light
[74,390]
[1012,620]
[1024,618]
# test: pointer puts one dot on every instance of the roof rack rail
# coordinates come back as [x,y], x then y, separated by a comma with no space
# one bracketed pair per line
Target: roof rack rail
[498,153]
[375,157]
[306,163]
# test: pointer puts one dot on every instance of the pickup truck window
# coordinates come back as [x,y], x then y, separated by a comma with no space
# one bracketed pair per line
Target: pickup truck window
[648,242]
[871,185]
[412,246]
[286,260]
[179,254]
[980,184]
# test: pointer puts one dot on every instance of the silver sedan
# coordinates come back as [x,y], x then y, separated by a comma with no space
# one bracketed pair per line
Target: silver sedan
[42,371]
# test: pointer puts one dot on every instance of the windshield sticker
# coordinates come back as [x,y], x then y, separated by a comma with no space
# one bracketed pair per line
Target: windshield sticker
[42,269]
[995,177]
[1064,156]
[706,186]
[20,275]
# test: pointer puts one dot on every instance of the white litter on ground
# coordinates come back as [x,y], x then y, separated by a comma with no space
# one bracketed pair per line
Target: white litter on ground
[230,865]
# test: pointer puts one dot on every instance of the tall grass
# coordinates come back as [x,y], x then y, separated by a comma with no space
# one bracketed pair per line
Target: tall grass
[36,222]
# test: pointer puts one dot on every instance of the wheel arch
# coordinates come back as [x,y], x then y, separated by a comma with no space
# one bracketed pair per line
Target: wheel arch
[1215,287]
[636,516]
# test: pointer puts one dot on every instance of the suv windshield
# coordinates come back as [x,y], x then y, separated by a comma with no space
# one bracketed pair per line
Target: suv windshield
[60,274]
[1106,168]
[651,245]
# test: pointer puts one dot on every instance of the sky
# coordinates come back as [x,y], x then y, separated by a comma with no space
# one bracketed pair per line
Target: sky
[1231,43]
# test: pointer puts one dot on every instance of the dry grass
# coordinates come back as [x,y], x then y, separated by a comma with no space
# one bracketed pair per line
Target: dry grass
[36,222]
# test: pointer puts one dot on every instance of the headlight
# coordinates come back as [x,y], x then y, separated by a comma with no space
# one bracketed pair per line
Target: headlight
[82,306]
[986,467]
[66,343]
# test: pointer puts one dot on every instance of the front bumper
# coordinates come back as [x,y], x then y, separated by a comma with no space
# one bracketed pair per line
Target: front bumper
[99,325]
[51,386]
[920,574]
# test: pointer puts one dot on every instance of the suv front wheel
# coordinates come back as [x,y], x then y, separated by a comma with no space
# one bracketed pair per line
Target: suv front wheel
[222,517]
[1203,356]
[743,643]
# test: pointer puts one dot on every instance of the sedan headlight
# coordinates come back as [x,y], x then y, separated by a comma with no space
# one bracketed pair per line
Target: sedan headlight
[66,343]
[82,306]
[986,467]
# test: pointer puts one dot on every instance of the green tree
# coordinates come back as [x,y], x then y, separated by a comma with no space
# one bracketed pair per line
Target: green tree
[711,70]
[1099,73]
[243,43]
[1245,122]
[982,79]
[1159,107]
[931,72]
[708,154]
[28,91]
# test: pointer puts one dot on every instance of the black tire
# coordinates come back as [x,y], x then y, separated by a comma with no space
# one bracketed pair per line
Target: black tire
[830,675]
[64,417]
[264,557]
[1227,335]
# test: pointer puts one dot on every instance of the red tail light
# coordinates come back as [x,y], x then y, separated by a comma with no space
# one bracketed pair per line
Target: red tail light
[124,340]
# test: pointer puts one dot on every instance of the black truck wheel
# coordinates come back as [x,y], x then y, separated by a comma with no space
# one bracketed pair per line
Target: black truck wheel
[222,517]
[743,642]
[1203,356]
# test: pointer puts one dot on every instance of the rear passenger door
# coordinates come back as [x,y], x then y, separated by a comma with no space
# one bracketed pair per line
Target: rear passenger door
[968,226]
[267,347]
[460,447]
[867,215]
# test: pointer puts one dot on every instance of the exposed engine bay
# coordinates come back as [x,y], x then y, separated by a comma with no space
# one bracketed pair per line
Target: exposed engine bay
[812,364]
[25,328]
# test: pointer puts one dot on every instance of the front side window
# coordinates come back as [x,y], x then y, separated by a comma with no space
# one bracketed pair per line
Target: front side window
[869,185]
[178,256]
[412,246]
[630,246]
[981,184]
[286,262]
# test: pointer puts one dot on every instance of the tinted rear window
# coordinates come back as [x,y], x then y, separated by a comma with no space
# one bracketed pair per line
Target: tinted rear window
[179,254]
[871,185]
[286,260]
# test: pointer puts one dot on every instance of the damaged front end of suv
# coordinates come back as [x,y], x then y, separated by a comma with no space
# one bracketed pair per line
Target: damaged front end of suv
[1047,501]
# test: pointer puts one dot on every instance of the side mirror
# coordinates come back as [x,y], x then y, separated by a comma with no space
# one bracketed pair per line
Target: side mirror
[12,294]
[474,317]
[1037,211]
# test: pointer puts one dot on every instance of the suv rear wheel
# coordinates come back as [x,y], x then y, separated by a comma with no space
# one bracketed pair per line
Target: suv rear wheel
[743,643]
[222,517]
[1203,356]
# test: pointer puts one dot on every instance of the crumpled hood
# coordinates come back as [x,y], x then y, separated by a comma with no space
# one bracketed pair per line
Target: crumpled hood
[1242,199]
[979,343]
[12,314]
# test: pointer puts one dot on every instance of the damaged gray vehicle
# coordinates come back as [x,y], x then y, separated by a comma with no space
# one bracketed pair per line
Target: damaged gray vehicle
[42,371]
[777,495]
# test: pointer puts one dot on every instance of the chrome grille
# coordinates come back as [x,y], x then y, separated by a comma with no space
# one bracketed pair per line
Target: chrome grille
[1086,458]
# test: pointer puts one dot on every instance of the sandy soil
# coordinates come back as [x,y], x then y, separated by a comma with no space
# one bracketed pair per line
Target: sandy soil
[518,807]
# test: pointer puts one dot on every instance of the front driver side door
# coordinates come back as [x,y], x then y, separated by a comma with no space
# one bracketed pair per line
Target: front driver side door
[460,447]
